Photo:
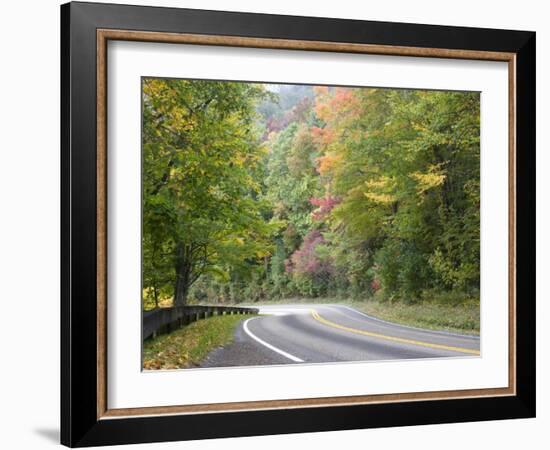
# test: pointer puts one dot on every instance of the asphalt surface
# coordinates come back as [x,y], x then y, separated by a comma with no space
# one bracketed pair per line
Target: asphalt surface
[297,334]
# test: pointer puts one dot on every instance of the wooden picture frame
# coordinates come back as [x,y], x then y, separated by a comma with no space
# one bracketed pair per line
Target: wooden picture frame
[86,418]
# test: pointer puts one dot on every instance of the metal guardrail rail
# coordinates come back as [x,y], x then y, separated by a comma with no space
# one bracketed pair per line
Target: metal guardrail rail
[164,320]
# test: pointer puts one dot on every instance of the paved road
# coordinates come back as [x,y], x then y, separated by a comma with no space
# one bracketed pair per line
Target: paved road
[294,334]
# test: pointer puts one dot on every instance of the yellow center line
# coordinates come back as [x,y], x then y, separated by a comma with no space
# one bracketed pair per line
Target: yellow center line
[324,321]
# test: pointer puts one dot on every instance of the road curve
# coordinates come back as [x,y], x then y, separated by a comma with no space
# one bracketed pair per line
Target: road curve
[297,334]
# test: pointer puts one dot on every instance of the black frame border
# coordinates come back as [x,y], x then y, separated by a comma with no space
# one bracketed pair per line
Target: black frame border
[79,423]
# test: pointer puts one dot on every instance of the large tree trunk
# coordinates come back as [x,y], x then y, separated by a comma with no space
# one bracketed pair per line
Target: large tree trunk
[183,275]
[181,290]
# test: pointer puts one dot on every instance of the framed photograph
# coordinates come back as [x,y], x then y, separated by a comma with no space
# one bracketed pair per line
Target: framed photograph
[277,224]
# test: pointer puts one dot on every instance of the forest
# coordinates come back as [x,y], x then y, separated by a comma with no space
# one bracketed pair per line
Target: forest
[263,192]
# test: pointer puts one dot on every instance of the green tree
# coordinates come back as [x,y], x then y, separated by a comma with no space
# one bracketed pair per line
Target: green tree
[405,165]
[201,212]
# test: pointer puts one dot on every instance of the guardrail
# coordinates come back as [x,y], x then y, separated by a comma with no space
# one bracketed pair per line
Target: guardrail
[164,320]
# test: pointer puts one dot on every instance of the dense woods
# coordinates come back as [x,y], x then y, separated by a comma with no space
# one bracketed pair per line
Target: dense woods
[257,192]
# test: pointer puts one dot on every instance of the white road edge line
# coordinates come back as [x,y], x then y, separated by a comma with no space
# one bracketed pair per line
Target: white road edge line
[269,346]
[444,333]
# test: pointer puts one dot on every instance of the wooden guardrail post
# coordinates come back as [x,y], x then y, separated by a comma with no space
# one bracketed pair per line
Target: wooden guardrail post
[164,320]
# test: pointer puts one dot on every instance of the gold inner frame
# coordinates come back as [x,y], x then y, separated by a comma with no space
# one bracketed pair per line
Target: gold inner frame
[104,35]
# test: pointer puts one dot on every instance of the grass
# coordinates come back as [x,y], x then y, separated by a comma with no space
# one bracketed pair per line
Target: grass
[434,316]
[188,346]
[461,318]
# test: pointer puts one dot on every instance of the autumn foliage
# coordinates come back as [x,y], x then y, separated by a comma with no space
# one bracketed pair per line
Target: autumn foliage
[277,191]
